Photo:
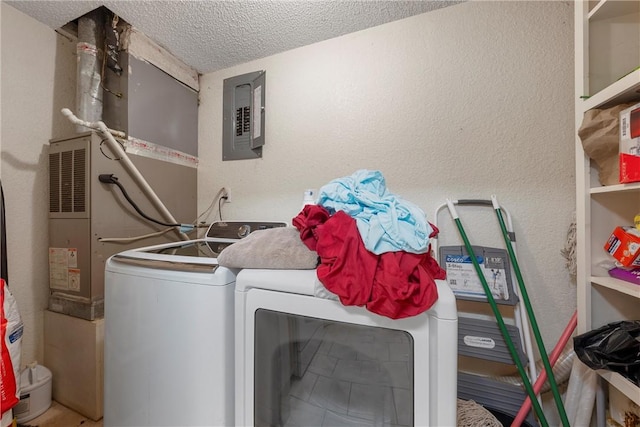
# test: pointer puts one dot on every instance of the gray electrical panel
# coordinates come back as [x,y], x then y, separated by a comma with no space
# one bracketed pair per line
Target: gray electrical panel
[243,112]
[82,211]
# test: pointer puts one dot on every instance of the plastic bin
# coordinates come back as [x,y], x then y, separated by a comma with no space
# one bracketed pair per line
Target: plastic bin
[7,419]
[35,393]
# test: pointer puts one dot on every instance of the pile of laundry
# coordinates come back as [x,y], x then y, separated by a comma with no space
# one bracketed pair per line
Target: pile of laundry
[373,246]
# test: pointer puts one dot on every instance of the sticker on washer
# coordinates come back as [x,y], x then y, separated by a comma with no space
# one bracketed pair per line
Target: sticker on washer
[63,271]
[464,281]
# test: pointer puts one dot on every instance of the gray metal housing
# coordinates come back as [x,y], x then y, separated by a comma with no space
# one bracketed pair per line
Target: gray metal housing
[82,210]
[148,104]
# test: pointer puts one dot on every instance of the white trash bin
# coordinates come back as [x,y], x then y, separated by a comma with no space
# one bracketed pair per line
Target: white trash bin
[7,419]
[35,392]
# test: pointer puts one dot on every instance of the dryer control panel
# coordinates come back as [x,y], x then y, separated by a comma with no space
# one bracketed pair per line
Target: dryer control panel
[239,229]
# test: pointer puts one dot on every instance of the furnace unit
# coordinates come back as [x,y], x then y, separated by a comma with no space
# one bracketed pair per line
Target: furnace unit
[83,211]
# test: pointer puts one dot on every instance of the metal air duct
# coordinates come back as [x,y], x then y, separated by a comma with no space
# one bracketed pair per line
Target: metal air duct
[89,67]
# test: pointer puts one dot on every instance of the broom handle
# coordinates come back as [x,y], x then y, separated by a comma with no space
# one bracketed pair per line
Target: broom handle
[503,328]
[532,318]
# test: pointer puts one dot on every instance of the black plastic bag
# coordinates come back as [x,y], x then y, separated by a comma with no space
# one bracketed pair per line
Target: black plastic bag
[615,347]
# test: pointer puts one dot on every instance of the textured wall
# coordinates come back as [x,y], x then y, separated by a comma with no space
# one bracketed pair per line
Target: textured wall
[463,102]
[38,77]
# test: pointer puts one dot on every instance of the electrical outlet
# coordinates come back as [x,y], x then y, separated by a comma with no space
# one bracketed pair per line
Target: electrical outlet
[227,195]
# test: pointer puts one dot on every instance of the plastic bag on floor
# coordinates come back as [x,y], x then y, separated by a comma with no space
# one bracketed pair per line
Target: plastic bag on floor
[615,347]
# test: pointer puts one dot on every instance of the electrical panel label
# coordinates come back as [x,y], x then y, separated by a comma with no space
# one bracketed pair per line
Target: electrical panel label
[74,279]
[72,258]
[257,111]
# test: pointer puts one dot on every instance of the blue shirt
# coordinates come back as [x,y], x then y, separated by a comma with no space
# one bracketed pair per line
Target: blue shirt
[386,222]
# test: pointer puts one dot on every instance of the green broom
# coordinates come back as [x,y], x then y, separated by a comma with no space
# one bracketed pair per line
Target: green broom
[503,328]
[532,317]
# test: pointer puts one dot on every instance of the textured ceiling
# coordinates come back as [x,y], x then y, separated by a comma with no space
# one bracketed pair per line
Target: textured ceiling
[216,34]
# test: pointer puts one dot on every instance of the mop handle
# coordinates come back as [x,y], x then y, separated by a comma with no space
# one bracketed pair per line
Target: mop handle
[555,354]
[532,317]
[499,319]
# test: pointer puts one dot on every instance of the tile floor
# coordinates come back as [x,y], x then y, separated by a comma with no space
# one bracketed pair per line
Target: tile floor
[61,416]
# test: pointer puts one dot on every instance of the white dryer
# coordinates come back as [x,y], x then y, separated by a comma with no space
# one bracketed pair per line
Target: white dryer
[169,334]
[305,360]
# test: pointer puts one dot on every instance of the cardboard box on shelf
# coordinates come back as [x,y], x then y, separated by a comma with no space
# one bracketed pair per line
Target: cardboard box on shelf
[624,246]
[630,144]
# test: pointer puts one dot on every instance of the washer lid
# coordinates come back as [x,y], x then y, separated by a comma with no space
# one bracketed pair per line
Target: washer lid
[198,255]
[190,255]
[192,248]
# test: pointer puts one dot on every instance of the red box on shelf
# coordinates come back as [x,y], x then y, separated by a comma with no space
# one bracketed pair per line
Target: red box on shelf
[630,144]
[624,246]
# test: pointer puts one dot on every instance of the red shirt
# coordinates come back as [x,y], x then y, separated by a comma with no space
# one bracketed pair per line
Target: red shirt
[393,284]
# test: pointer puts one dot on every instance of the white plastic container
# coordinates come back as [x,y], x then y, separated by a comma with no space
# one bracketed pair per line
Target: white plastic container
[35,392]
[7,419]
[309,197]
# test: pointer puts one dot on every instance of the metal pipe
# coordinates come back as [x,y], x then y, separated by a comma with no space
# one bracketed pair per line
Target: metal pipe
[129,167]
[88,73]
[601,403]
[555,354]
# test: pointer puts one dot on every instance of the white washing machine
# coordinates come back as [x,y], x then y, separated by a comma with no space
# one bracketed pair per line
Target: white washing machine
[302,360]
[169,335]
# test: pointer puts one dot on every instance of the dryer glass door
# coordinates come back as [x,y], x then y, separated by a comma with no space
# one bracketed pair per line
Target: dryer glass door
[316,372]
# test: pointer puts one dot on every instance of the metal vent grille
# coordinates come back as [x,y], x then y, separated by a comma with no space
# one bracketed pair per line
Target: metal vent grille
[54,182]
[67,181]
[79,169]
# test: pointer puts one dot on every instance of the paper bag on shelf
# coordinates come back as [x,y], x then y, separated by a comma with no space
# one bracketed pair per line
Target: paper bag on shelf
[600,136]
